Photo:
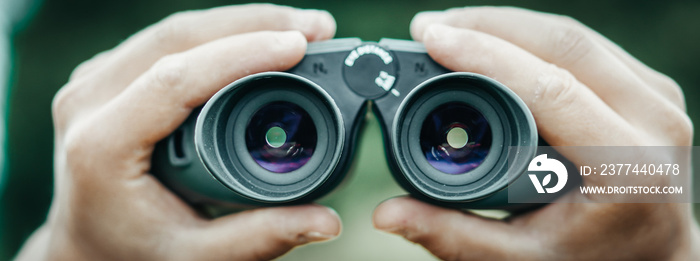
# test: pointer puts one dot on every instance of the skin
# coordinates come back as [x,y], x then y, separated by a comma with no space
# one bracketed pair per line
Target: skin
[583,90]
[117,105]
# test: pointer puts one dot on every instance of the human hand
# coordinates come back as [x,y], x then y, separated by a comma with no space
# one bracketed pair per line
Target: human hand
[583,90]
[117,105]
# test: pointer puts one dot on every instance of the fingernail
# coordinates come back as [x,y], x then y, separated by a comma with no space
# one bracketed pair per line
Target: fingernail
[289,38]
[396,230]
[333,212]
[315,236]
[437,31]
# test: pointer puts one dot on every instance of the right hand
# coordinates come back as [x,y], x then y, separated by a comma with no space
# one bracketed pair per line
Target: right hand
[117,105]
[583,90]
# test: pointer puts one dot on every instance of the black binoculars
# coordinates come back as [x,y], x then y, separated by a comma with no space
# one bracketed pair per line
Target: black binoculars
[277,138]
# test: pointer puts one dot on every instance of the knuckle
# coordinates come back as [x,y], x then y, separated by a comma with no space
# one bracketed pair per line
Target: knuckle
[163,32]
[555,86]
[168,72]
[68,100]
[675,92]
[669,82]
[684,130]
[81,69]
[570,42]
[78,151]
[86,153]
[62,102]
[61,99]
[76,140]
[674,127]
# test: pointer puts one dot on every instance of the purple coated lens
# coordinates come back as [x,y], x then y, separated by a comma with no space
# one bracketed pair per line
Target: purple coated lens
[281,137]
[455,138]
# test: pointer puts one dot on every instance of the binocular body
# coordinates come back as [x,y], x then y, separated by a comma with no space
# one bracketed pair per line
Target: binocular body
[278,138]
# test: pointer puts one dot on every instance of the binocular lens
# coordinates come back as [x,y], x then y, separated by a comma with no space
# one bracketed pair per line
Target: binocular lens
[271,137]
[455,138]
[281,137]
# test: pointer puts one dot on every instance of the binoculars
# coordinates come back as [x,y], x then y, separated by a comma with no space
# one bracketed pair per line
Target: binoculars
[277,138]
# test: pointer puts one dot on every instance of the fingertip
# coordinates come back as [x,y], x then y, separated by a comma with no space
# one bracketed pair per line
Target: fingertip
[326,224]
[317,25]
[290,47]
[293,39]
[309,223]
[438,40]
[421,21]
[393,214]
[448,46]
[266,233]
[327,26]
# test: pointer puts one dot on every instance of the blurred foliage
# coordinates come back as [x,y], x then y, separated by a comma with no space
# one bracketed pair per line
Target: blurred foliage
[663,34]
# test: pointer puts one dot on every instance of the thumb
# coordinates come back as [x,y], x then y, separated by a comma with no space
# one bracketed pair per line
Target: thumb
[451,234]
[263,234]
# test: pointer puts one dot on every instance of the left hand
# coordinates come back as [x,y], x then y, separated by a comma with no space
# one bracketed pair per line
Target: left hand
[118,105]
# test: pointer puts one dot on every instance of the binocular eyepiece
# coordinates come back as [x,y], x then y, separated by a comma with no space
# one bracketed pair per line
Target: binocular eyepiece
[278,138]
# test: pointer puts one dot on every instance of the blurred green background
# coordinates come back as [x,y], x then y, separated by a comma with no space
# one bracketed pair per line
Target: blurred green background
[663,34]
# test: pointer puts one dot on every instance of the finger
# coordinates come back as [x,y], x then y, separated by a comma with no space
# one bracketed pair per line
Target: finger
[569,44]
[185,30]
[566,111]
[110,74]
[453,235]
[660,82]
[262,234]
[160,100]
[89,65]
